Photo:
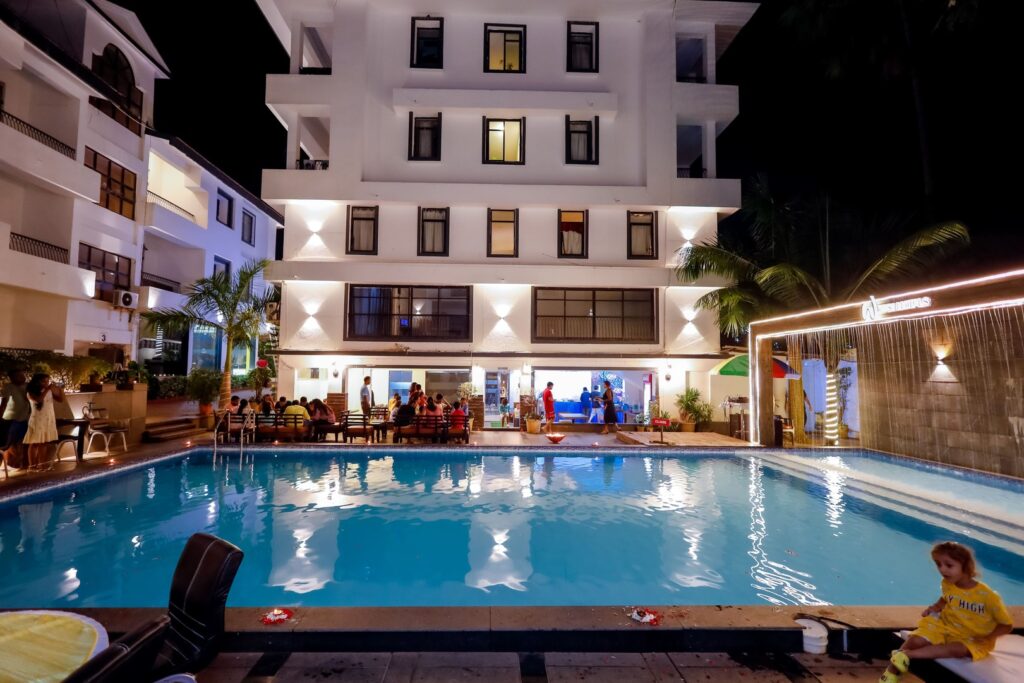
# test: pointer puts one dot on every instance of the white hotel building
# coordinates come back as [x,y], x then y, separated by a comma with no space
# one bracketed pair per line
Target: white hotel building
[100,218]
[498,192]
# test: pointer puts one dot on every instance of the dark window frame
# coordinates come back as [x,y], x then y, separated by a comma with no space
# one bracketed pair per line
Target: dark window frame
[413,151]
[122,278]
[655,330]
[351,336]
[414,62]
[122,191]
[221,194]
[595,48]
[484,156]
[221,261]
[447,233]
[113,67]
[505,29]
[348,231]
[515,234]
[629,235]
[586,233]
[252,228]
[593,141]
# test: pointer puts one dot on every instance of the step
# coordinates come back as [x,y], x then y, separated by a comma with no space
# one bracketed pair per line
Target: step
[163,429]
[173,422]
[174,435]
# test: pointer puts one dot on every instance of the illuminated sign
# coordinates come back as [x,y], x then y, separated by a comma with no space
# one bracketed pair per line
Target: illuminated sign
[873,310]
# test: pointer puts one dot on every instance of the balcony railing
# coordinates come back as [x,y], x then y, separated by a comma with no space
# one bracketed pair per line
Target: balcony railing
[691,78]
[691,172]
[39,136]
[166,284]
[315,70]
[170,206]
[33,247]
[312,164]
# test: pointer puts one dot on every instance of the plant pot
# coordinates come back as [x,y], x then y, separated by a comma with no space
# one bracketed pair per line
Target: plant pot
[94,387]
[689,426]
[205,409]
[126,386]
[533,426]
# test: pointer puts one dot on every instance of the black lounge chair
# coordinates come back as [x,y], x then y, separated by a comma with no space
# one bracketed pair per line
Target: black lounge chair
[129,658]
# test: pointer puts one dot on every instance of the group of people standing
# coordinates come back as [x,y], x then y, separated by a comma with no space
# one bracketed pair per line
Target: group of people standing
[594,404]
[28,415]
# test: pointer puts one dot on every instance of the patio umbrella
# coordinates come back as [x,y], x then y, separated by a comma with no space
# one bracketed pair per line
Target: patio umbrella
[740,367]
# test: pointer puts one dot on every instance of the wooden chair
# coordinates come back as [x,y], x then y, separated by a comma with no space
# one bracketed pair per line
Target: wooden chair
[357,426]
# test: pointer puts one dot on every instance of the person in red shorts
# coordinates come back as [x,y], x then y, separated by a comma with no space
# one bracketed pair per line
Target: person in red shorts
[549,407]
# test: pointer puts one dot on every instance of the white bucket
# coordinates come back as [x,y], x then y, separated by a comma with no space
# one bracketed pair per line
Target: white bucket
[815,636]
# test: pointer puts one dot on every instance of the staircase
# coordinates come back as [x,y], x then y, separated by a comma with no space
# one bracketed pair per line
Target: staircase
[171,430]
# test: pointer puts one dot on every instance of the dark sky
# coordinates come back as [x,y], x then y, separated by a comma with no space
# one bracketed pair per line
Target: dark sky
[854,136]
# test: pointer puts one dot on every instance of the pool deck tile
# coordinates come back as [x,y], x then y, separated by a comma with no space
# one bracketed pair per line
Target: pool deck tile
[740,675]
[702,660]
[375,619]
[439,667]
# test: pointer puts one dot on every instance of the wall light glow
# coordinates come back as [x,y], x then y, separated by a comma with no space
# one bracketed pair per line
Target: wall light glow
[502,310]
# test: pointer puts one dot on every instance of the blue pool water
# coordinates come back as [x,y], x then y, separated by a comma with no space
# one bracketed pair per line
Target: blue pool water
[367,527]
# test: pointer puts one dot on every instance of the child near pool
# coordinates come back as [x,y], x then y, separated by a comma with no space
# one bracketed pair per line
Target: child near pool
[964,622]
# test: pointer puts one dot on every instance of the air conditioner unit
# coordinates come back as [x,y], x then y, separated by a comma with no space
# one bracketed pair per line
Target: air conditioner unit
[124,299]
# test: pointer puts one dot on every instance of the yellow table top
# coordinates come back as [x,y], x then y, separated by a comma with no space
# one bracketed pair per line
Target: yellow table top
[42,646]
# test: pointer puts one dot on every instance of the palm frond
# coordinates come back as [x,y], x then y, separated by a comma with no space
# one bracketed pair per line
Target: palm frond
[912,256]
[791,285]
[712,259]
[735,307]
[175,321]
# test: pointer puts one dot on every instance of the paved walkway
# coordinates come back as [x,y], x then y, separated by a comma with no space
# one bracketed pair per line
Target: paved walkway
[552,667]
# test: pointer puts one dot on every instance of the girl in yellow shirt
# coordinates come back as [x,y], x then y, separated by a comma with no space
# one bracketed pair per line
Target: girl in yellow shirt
[964,622]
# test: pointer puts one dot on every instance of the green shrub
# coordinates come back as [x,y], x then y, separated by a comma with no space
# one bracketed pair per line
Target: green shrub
[203,385]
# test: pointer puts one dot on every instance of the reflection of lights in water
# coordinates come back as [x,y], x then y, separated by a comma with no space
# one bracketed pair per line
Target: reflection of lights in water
[774,582]
[151,483]
[693,537]
[647,466]
[834,505]
[136,541]
[69,584]
[211,511]
[301,536]
[515,467]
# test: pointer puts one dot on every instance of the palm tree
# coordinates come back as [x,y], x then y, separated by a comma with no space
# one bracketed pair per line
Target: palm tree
[764,279]
[226,302]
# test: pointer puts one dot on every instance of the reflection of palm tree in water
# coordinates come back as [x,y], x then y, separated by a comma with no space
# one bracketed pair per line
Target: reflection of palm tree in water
[774,582]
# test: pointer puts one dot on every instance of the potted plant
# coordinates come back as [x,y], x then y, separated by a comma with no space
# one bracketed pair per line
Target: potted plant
[203,386]
[692,410]
[532,423]
[641,422]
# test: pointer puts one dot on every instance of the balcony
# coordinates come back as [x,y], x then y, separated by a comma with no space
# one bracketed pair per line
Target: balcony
[691,172]
[29,263]
[299,94]
[170,206]
[166,284]
[312,164]
[152,298]
[40,158]
[523,102]
[315,70]
[695,103]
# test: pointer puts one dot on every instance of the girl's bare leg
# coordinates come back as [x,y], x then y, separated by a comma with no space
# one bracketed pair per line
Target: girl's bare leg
[953,650]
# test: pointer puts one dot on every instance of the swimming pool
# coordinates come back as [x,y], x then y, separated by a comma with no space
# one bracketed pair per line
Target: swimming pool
[356,527]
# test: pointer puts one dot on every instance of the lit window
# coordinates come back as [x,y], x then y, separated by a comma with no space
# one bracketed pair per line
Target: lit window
[113,271]
[362,230]
[433,237]
[503,233]
[117,184]
[641,235]
[572,234]
[503,141]
[505,48]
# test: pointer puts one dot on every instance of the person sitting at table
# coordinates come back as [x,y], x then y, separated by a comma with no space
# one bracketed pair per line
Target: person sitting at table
[233,405]
[282,403]
[406,412]
[432,409]
[267,405]
[505,410]
[320,412]
[394,402]
[295,409]
[458,416]
[439,400]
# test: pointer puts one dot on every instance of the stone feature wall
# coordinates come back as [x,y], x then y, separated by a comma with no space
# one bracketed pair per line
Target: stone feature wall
[967,410]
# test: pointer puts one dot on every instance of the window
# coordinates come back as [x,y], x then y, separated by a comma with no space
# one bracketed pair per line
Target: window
[433,233]
[503,233]
[248,228]
[225,209]
[505,48]
[581,141]
[690,59]
[117,184]
[690,152]
[424,138]
[362,230]
[594,315]
[581,46]
[112,271]
[641,235]
[572,234]
[221,267]
[427,49]
[504,141]
[207,343]
[384,312]
[114,69]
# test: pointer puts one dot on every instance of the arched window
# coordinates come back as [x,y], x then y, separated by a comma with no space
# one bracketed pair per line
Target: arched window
[116,71]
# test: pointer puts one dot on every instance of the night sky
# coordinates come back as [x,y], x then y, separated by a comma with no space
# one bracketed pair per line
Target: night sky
[852,136]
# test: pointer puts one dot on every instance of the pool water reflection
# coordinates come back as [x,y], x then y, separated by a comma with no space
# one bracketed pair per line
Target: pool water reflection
[464,528]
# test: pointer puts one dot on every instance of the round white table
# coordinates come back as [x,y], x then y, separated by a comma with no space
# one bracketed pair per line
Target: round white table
[46,645]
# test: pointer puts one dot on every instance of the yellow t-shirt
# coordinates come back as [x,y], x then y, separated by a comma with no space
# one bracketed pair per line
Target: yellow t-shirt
[972,612]
[296,410]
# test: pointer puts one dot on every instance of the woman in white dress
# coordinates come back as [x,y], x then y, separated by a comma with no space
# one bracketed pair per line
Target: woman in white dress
[42,423]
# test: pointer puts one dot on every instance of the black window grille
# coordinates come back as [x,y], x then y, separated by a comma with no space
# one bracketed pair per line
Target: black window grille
[594,315]
[386,312]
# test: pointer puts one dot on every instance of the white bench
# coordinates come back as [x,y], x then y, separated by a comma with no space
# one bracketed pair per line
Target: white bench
[1004,665]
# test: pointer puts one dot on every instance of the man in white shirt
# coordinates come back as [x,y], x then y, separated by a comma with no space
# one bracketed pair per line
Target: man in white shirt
[15,410]
[366,396]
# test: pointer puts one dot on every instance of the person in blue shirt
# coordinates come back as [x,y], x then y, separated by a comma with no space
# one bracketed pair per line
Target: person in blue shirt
[585,404]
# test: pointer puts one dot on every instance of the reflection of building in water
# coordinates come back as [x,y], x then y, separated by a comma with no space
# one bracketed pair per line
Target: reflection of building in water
[304,546]
[499,541]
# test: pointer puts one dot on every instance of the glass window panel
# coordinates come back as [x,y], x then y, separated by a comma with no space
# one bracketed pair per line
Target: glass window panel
[503,239]
[454,292]
[495,145]
[608,295]
[496,51]
[551,294]
[579,308]
[609,308]
[501,215]
[511,52]
[581,294]
[550,307]
[512,140]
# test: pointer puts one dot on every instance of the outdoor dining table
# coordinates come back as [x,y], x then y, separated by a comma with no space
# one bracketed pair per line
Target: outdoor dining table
[47,645]
[572,417]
